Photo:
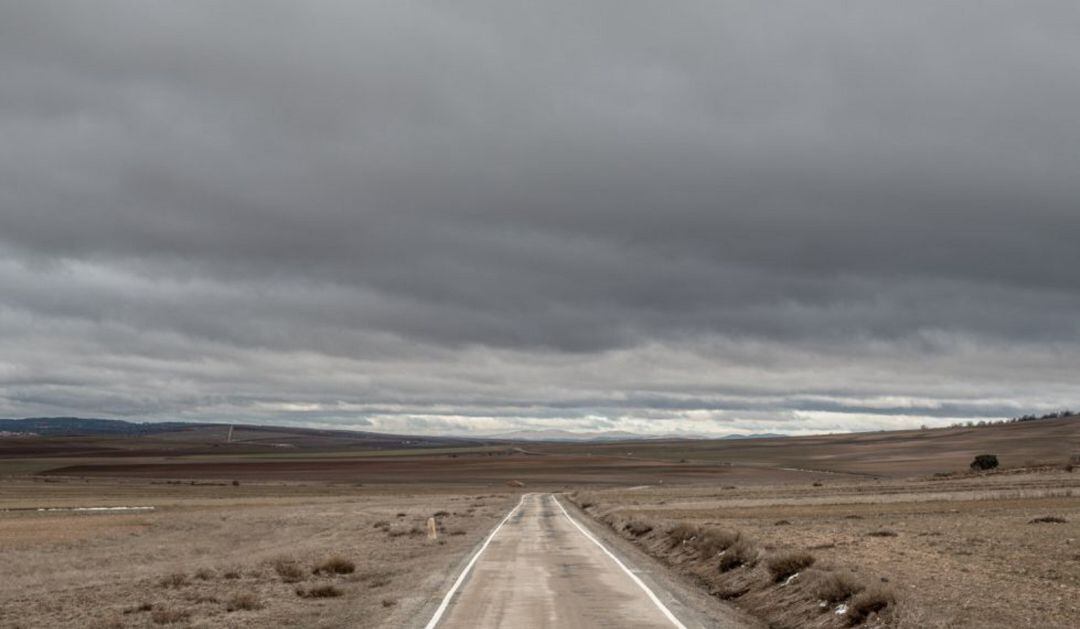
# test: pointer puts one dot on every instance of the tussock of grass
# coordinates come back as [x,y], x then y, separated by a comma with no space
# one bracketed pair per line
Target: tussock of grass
[786,564]
[335,565]
[882,533]
[741,553]
[712,542]
[319,591]
[683,533]
[837,587]
[231,573]
[637,528]
[288,570]
[873,600]
[174,580]
[244,601]
[169,615]
[204,574]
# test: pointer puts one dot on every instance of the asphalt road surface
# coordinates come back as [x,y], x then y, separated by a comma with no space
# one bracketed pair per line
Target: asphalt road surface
[543,568]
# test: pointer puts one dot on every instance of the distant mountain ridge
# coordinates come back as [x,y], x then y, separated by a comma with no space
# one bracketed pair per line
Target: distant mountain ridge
[67,426]
[73,426]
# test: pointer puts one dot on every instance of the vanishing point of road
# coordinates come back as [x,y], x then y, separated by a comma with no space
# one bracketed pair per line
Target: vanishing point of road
[542,568]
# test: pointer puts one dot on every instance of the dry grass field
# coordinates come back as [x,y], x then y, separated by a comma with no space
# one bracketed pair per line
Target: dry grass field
[287,528]
[968,551]
[262,555]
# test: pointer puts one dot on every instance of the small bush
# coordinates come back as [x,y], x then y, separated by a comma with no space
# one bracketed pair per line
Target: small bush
[319,591]
[335,565]
[441,514]
[231,573]
[245,601]
[782,523]
[837,587]
[873,600]
[784,565]
[741,553]
[683,533]
[637,528]
[712,542]
[1048,519]
[388,602]
[985,462]
[174,580]
[288,570]
[168,615]
[882,533]
[381,524]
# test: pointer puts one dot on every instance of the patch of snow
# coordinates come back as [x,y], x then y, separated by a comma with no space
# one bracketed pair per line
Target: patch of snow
[841,610]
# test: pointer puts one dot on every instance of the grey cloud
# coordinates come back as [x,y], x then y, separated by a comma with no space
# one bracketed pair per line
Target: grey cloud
[836,204]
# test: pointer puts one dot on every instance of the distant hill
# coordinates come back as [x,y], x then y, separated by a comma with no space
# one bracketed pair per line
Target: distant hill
[612,435]
[69,426]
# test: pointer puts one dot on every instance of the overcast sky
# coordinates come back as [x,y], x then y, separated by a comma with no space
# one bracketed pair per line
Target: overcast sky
[474,216]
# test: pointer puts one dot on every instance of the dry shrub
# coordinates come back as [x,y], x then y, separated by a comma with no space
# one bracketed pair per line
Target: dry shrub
[319,591]
[741,553]
[457,532]
[174,580]
[142,607]
[441,514]
[881,533]
[335,565]
[381,524]
[1048,519]
[637,528]
[872,600]
[244,601]
[204,574]
[231,573]
[837,587]
[712,542]
[388,602]
[169,615]
[782,523]
[288,570]
[682,533]
[786,564]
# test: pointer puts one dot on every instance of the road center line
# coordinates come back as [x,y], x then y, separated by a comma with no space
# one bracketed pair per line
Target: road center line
[464,573]
[656,601]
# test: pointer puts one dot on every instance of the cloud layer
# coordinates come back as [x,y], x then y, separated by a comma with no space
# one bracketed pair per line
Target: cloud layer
[478,216]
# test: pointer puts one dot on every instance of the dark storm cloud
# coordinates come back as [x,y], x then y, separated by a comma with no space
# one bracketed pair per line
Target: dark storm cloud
[480,213]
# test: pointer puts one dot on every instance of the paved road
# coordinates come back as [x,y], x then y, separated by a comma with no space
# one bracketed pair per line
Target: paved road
[541,570]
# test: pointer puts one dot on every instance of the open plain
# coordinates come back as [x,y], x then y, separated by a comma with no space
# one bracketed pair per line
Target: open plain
[304,530]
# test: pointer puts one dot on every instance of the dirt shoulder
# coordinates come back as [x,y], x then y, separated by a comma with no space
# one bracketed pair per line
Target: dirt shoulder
[932,553]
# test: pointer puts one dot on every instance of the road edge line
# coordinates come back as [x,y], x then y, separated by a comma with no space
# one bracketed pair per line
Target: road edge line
[641,584]
[468,567]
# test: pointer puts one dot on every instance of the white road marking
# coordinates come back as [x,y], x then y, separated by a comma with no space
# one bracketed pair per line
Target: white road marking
[464,573]
[656,601]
